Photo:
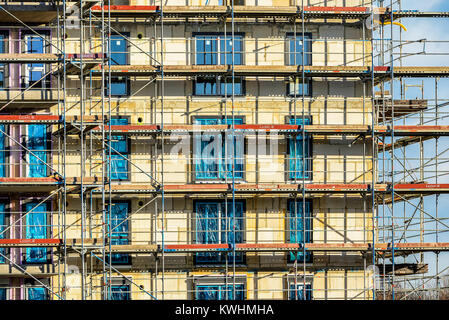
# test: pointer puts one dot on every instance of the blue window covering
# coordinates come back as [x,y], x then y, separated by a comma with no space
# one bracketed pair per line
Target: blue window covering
[2,152]
[294,58]
[296,227]
[120,230]
[299,293]
[299,87]
[35,44]
[2,293]
[210,151]
[295,47]
[218,86]
[2,228]
[119,56]
[119,144]
[300,159]
[37,293]
[226,50]
[219,292]
[206,49]
[214,50]
[37,143]
[121,292]
[214,225]
[36,228]
[2,65]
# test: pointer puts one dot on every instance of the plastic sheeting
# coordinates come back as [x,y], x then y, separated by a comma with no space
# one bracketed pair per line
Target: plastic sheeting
[120,229]
[299,293]
[295,45]
[215,50]
[37,143]
[35,44]
[210,86]
[2,151]
[210,152]
[208,52]
[121,292]
[2,228]
[2,293]
[119,143]
[295,55]
[119,56]
[2,65]
[214,225]
[297,233]
[299,157]
[36,228]
[219,292]
[38,293]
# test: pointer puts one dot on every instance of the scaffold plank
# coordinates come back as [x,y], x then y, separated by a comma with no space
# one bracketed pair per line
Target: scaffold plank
[416,130]
[207,187]
[274,70]
[9,243]
[309,12]
[324,247]
[16,13]
[29,57]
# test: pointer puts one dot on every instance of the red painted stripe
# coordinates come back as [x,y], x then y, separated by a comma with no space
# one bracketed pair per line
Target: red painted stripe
[30,241]
[421,186]
[336,9]
[266,127]
[196,246]
[85,56]
[131,127]
[336,186]
[267,245]
[24,180]
[196,186]
[126,8]
[29,118]
[380,68]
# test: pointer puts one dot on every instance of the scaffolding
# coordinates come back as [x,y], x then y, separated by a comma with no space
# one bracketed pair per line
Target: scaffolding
[368,164]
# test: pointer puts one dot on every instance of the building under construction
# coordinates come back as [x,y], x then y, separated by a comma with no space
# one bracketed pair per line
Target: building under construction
[228,150]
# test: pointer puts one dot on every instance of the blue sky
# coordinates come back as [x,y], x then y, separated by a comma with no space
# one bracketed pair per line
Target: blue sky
[436,54]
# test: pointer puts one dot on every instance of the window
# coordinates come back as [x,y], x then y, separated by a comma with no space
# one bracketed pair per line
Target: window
[219,292]
[37,143]
[119,56]
[295,88]
[299,153]
[296,291]
[213,159]
[36,228]
[35,71]
[119,229]
[3,49]
[218,86]
[119,152]
[120,292]
[37,293]
[3,295]
[3,226]
[216,49]
[297,220]
[2,151]
[214,224]
[294,57]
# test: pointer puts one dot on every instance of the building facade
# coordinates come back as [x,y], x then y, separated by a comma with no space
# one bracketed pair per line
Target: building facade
[198,150]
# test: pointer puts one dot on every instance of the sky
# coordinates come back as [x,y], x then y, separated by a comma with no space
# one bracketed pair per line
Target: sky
[436,54]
